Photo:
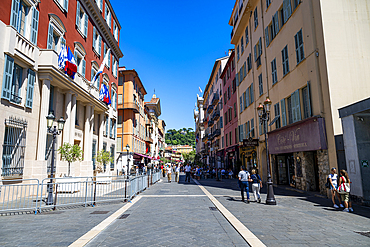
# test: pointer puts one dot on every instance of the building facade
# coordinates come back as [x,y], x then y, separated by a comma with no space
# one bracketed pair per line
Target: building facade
[33,86]
[291,52]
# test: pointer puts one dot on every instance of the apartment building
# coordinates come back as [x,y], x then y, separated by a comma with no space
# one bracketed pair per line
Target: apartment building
[33,86]
[308,58]
[154,110]
[230,113]
[213,119]
[199,127]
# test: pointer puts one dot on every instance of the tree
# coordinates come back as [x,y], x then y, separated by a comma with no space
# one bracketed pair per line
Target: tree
[189,157]
[103,157]
[183,136]
[70,154]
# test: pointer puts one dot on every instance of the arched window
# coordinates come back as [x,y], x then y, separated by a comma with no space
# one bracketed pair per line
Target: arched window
[80,54]
[56,33]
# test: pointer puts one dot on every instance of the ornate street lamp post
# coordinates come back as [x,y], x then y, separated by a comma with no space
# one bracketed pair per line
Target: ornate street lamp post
[127,149]
[264,114]
[54,131]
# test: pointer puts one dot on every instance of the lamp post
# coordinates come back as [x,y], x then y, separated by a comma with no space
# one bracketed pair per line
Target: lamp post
[127,149]
[54,131]
[264,114]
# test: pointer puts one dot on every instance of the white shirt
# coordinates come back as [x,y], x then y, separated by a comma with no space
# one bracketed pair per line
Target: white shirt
[169,170]
[334,179]
[187,168]
[178,169]
[243,175]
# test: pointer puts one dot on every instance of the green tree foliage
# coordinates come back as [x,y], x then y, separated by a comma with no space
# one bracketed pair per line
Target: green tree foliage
[189,158]
[70,154]
[102,157]
[184,136]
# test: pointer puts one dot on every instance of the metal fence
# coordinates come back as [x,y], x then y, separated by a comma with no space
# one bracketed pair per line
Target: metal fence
[33,195]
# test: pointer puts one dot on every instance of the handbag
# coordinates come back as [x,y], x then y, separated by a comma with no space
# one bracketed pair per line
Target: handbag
[327,185]
[344,187]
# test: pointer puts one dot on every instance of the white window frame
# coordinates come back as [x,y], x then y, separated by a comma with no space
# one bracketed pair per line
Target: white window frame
[83,25]
[59,31]
[62,4]
[80,61]
[115,30]
[108,15]
[106,47]
[94,70]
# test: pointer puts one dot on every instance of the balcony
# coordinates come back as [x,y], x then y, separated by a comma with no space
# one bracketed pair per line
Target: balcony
[216,115]
[149,139]
[210,122]
[217,132]
[210,109]
[215,99]
[131,106]
[241,21]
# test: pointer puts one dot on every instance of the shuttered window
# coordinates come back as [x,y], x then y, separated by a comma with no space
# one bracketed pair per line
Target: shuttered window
[285,59]
[283,112]
[34,25]
[273,71]
[255,18]
[306,100]
[296,106]
[7,77]
[30,87]
[260,85]
[252,128]
[299,50]
[246,36]
[277,115]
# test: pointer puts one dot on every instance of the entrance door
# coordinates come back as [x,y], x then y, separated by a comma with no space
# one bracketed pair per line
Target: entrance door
[282,169]
[291,169]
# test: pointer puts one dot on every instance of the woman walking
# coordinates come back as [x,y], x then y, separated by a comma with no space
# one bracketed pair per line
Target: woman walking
[256,185]
[333,179]
[343,188]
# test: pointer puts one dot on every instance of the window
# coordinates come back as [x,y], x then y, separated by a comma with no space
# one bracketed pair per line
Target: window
[80,61]
[261,128]
[55,36]
[237,52]
[115,30]
[94,70]
[14,147]
[275,25]
[283,112]
[242,45]
[234,109]
[287,10]
[25,19]
[234,85]
[241,104]
[258,52]
[107,15]
[114,98]
[114,67]
[119,143]
[222,142]
[277,115]
[255,18]
[306,100]
[227,140]
[106,48]
[296,3]
[299,50]
[96,41]
[231,138]
[99,3]
[285,59]
[228,93]
[274,73]
[112,150]
[106,126]
[120,99]
[82,20]
[260,85]
[268,2]
[252,128]
[62,4]
[249,62]
[120,80]
[246,36]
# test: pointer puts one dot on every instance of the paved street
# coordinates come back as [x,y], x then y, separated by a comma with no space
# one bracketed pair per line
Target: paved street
[180,214]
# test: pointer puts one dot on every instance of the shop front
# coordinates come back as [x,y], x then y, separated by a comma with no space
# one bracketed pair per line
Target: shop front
[248,154]
[299,156]
[231,157]
[220,159]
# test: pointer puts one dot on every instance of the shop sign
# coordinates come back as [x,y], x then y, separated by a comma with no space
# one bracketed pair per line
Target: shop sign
[307,135]
[250,142]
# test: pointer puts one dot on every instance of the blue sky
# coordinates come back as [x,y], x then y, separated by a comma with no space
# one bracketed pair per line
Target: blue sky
[173,45]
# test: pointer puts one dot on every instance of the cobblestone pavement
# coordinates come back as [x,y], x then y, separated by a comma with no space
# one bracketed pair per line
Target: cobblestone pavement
[179,214]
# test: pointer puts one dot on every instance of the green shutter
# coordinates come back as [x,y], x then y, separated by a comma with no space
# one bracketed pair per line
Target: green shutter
[255,52]
[78,21]
[283,112]
[247,97]
[50,37]
[7,77]
[298,116]
[245,69]
[14,13]
[252,94]
[34,25]
[276,23]
[30,87]
[267,36]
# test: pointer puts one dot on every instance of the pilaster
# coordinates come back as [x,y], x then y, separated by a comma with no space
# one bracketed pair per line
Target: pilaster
[44,108]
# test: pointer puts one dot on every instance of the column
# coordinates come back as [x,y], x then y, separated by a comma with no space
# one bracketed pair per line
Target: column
[73,119]
[92,123]
[44,108]
[67,125]
[101,130]
[87,139]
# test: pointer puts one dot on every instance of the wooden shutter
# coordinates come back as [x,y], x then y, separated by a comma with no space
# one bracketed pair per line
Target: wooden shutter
[50,37]
[14,13]
[248,130]
[7,77]
[86,17]
[267,36]
[30,88]
[298,105]
[309,99]
[252,93]
[255,52]
[283,112]
[260,47]
[34,25]
[78,21]
[245,69]
[247,97]
[276,22]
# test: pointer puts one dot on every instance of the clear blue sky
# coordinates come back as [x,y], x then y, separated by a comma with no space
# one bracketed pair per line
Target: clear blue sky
[173,45]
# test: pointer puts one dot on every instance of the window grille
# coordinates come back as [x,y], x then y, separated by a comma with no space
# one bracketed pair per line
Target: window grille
[14,147]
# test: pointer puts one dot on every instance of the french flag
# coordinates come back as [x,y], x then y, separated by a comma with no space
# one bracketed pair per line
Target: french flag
[104,94]
[70,66]
[105,61]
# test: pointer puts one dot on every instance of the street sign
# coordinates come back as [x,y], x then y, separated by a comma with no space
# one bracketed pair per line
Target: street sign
[365,163]
[250,142]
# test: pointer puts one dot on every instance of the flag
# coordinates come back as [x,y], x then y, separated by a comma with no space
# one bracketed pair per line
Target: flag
[200,90]
[62,57]
[105,60]
[70,65]
[104,94]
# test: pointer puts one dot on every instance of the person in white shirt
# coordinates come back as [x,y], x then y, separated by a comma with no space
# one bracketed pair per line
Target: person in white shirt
[187,172]
[244,179]
[177,173]
[333,179]
[169,173]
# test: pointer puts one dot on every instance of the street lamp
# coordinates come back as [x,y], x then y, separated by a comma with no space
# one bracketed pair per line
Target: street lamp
[54,131]
[127,149]
[264,114]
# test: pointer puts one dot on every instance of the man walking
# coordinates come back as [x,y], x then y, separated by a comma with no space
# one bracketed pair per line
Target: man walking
[244,179]
[187,171]
[169,173]
[177,173]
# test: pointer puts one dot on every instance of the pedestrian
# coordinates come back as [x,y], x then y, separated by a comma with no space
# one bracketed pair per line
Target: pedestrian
[256,185]
[164,171]
[177,173]
[187,172]
[333,180]
[169,173]
[244,179]
[231,173]
[344,188]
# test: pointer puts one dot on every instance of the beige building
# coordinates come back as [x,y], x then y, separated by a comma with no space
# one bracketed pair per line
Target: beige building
[309,58]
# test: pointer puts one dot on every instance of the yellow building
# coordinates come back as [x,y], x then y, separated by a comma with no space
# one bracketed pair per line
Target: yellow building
[308,57]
